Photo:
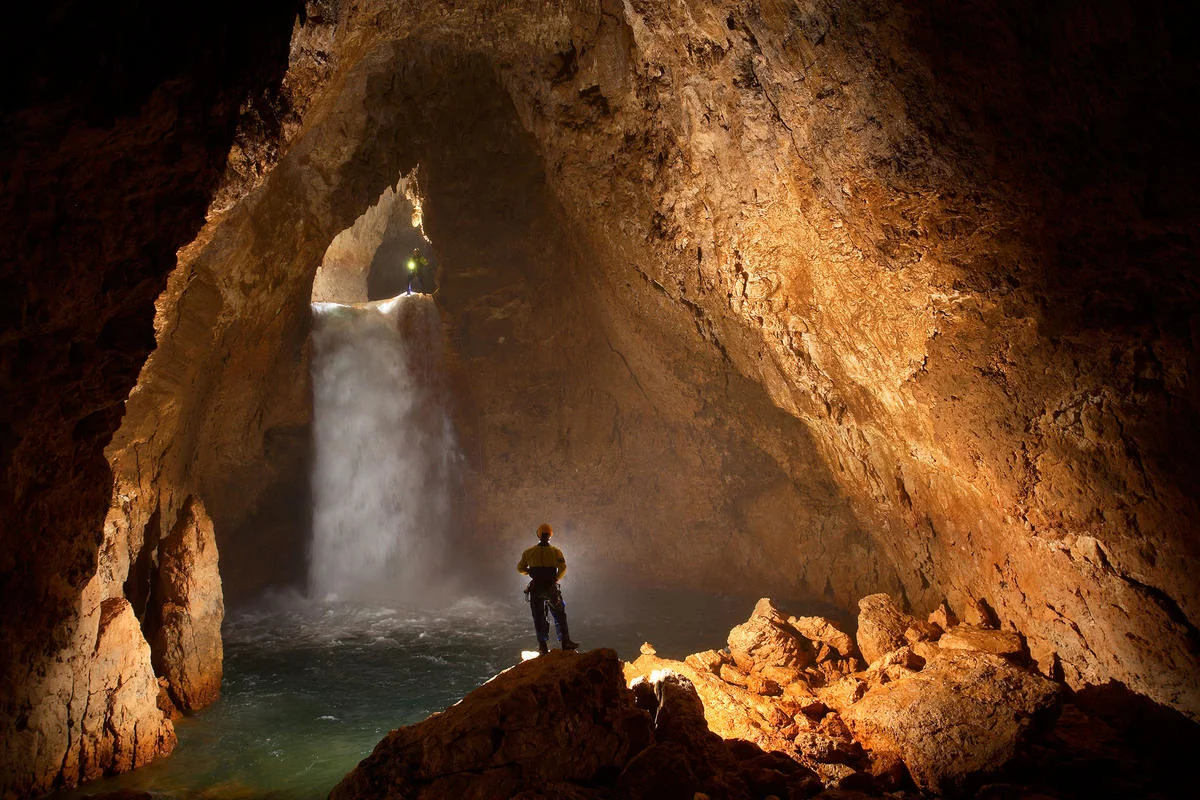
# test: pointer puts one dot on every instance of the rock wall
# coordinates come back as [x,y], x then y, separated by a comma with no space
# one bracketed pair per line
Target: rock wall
[965,278]
[116,129]
[830,297]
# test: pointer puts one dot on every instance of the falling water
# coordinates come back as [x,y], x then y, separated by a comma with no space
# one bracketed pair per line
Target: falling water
[384,474]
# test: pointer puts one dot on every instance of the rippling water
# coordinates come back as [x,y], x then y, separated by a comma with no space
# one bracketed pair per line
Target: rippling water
[311,688]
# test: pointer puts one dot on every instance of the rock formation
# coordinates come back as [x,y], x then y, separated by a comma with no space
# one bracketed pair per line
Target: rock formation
[186,646]
[943,715]
[830,298]
[566,726]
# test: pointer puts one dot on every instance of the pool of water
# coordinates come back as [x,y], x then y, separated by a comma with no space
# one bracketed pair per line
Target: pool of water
[310,688]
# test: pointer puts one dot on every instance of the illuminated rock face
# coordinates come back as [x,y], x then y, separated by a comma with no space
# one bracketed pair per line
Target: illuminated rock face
[823,298]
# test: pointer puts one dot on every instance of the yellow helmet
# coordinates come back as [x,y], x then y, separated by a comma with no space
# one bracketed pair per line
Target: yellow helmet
[544,530]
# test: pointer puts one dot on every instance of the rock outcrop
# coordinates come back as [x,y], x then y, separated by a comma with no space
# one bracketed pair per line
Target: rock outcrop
[962,714]
[938,716]
[188,611]
[566,726]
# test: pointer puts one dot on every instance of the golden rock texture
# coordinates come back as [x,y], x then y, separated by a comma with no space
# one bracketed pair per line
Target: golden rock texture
[566,726]
[942,720]
[827,298]
[186,646]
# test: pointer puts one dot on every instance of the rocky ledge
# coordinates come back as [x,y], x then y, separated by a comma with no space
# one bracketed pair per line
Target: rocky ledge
[788,709]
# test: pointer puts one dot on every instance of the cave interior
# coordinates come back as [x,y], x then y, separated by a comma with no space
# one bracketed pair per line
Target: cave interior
[810,300]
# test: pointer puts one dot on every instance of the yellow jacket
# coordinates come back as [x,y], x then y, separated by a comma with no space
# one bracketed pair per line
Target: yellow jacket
[537,561]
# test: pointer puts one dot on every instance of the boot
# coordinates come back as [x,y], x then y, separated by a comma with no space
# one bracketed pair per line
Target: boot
[543,648]
[567,644]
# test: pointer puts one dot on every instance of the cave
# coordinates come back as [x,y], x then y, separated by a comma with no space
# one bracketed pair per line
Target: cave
[796,299]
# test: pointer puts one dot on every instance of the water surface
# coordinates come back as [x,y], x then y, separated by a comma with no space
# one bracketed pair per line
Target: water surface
[310,688]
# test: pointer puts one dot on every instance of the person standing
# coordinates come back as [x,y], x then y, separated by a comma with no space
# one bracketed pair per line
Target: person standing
[545,565]
[418,273]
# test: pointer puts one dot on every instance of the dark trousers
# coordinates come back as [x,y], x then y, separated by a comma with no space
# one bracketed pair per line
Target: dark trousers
[541,600]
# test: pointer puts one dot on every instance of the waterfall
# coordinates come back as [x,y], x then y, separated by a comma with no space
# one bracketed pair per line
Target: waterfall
[385,477]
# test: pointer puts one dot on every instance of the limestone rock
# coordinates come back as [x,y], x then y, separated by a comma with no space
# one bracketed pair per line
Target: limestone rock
[819,629]
[1008,644]
[893,666]
[943,617]
[706,661]
[843,693]
[922,631]
[187,646]
[564,718]
[881,626]
[766,640]
[565,726]
[124,727]
[980,614]
[963,714]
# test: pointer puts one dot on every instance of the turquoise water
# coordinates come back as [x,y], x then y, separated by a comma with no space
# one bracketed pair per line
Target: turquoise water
[310,688]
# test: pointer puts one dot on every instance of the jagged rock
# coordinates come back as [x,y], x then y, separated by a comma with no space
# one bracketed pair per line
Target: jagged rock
[980,614]
[731,674]
[647,649]
[706,661]
[122,726]
[564,718]
[759,684]
[943,617]
[963,714]
[893,666]
[784,676]
[881,626]
[565,726]
[816,746]
[187,648]
[819,629]
[1008,644]
[766,640]
[843,693]
[922,631]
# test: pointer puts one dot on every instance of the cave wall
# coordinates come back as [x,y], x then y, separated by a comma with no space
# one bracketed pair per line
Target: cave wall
[918,280]
[951,242]
[116,127]
[944,240]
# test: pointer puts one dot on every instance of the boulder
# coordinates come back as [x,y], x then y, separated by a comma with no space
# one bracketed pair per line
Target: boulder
[562,719]
[821,630]
[767,640]
[922,631]
[564,726]
[893,666]
[1007,644]
[843,693]
[881,626]
[965,713]
[706,661]
[943,617]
